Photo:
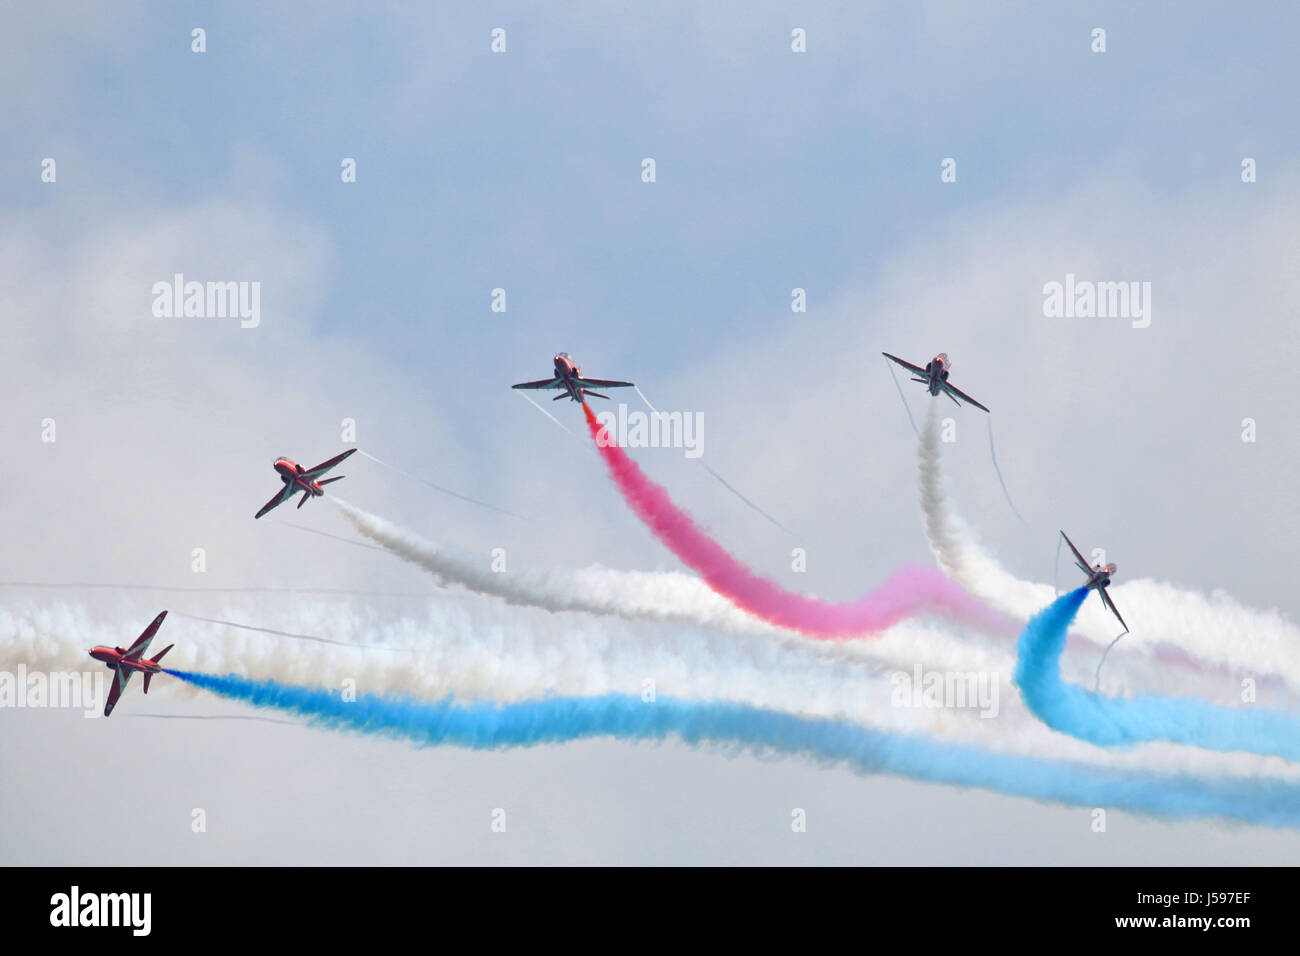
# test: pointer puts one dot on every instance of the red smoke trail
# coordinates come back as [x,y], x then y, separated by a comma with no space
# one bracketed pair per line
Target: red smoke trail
[909,590]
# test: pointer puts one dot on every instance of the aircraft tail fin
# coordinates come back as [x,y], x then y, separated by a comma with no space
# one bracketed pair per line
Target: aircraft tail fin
[326,481]
[587,391]
[148,675]
[560,396]
[305,496]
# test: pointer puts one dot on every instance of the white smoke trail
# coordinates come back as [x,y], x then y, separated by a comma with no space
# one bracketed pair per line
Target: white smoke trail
[1212,628]
[633,595]
[675,596]
[485,650]
[477,649]
[658,595]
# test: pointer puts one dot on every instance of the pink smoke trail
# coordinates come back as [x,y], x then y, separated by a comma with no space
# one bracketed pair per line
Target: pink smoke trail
[909,590]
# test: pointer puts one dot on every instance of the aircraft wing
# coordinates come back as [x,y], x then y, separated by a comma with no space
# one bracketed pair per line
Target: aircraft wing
[542,383]
[602,383]
[120,678]
[907,365]
[1105,599]
[313,473]
[963,396]
[136,650]
[281,496]
[1078,558]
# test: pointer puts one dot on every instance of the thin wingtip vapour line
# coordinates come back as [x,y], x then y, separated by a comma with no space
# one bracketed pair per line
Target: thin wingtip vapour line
[723,481]
[445,491]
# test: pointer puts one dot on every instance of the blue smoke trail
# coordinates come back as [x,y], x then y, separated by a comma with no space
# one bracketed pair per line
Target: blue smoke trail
[490,726]
[1112,721]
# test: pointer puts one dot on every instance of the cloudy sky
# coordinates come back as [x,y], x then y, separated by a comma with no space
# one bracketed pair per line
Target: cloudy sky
[522,171]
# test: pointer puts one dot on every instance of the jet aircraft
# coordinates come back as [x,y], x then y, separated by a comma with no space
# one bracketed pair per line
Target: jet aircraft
[125,661]
[568,376]
[1098,578]
[934,376]
[296,478]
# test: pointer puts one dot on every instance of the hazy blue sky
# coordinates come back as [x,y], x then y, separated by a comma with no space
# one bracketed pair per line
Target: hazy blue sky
[522,170]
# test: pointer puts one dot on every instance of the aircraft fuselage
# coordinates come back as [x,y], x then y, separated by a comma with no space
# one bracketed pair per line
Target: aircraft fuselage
[114,657]
[291,473]
[1100,578]
[568,372]
[937,371]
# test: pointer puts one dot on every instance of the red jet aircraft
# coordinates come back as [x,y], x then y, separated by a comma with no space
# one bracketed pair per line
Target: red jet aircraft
[126,661]
[568,377]
[1099,576]
[296,479]
[934,376]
